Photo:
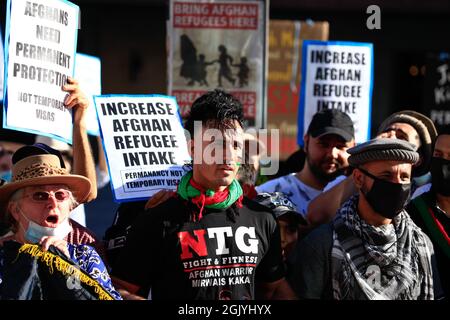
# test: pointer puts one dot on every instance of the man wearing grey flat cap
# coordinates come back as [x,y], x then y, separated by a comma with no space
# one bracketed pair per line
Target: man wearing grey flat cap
[371,250]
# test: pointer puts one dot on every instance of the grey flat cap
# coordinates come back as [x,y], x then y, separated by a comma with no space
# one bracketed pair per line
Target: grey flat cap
[383,149]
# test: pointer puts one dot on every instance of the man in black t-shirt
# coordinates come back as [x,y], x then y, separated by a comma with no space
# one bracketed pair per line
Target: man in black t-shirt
[206,242]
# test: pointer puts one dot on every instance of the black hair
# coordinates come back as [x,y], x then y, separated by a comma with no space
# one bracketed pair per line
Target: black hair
[217,109]
[445,129]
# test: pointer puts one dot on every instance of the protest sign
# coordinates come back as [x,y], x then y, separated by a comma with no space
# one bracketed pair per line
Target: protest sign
[437,88]
[285,47]
[219,44]
[144,143]
[41,37]
[337,75]
[89,74]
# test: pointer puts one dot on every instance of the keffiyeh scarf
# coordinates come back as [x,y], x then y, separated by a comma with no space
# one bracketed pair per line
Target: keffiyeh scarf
[189,190]
[390,262]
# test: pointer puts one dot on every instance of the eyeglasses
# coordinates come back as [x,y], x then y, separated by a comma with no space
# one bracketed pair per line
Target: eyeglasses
[43,196]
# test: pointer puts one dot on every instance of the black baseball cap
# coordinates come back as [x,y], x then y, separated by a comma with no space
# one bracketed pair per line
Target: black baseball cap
[332,121]
[34,150]
[280,205]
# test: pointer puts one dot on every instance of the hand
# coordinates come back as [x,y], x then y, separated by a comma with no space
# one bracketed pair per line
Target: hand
[48,241]
[75,99]
[158,198]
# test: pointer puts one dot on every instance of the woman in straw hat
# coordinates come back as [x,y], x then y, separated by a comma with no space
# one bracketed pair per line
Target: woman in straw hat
[36,204]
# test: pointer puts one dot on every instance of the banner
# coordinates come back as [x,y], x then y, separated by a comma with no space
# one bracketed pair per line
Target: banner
[88,71]
[219,44]
[41,37]
[337,75]
[283,87]
[437,88]
[144,143]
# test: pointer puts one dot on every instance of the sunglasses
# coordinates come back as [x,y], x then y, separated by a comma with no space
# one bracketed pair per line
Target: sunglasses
[43,196]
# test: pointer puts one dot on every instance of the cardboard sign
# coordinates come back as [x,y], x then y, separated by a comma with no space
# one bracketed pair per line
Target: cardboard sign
[219,44]
[88,72]
[41,37]
[283,88]
[337,75]
[144,143]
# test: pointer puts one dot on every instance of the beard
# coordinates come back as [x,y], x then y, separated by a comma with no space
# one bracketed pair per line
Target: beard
[320,174]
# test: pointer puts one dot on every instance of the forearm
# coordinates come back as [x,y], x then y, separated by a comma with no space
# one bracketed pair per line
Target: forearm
[323,208]
[83,160]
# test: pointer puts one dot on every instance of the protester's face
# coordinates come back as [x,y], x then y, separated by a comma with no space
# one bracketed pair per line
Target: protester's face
[327,155]
[46,211]
[442,147]
[391,171]
[402,131]
[5,160]
[253,151]
[289,236]
[220,156]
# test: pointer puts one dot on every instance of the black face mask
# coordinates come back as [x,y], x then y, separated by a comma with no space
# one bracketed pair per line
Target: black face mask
[440,176]
[387,198]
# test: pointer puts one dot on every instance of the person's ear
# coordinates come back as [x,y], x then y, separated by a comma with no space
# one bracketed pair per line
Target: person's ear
[12,209]
[190,146]
[306,140]
[418,163]
[358,178]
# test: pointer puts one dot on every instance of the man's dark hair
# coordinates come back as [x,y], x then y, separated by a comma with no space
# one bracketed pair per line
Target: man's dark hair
[216,109]
[445,129]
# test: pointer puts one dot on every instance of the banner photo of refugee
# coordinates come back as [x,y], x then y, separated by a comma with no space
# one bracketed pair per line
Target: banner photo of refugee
[88,72]
[337,75]
[437,88]
[219,44]
[144,142]
[40,46]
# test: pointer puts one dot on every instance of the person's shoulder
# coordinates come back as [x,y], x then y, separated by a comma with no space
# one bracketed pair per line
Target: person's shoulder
[170,209]
[421,190]
[275,184]
[320,237]
[335,182]
[256,208]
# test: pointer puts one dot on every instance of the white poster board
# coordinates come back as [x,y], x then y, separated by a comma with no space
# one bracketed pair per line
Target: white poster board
[337,75]
[144,143]
[88,72]
[40,46]
[219,44]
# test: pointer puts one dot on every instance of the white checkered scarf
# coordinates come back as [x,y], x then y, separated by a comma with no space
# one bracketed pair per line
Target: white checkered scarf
[390,262]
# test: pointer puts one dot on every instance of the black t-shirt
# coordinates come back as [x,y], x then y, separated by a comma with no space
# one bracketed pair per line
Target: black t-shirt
[214,258]
[310,270]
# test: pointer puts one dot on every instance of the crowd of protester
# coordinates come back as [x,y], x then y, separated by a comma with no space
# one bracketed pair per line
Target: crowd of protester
[354,221]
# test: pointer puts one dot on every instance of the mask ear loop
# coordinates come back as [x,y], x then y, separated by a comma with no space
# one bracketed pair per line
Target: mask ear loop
[367,173]
[26,218]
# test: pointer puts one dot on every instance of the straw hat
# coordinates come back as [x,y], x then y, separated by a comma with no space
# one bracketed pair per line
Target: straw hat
[43,169]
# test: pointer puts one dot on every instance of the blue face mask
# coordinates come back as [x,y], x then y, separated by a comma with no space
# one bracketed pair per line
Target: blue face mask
[6,175]
[35,232]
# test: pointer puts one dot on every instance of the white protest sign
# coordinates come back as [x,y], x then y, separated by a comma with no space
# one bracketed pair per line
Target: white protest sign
[88,72]
[144,143]
[41,37]
[337,75]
